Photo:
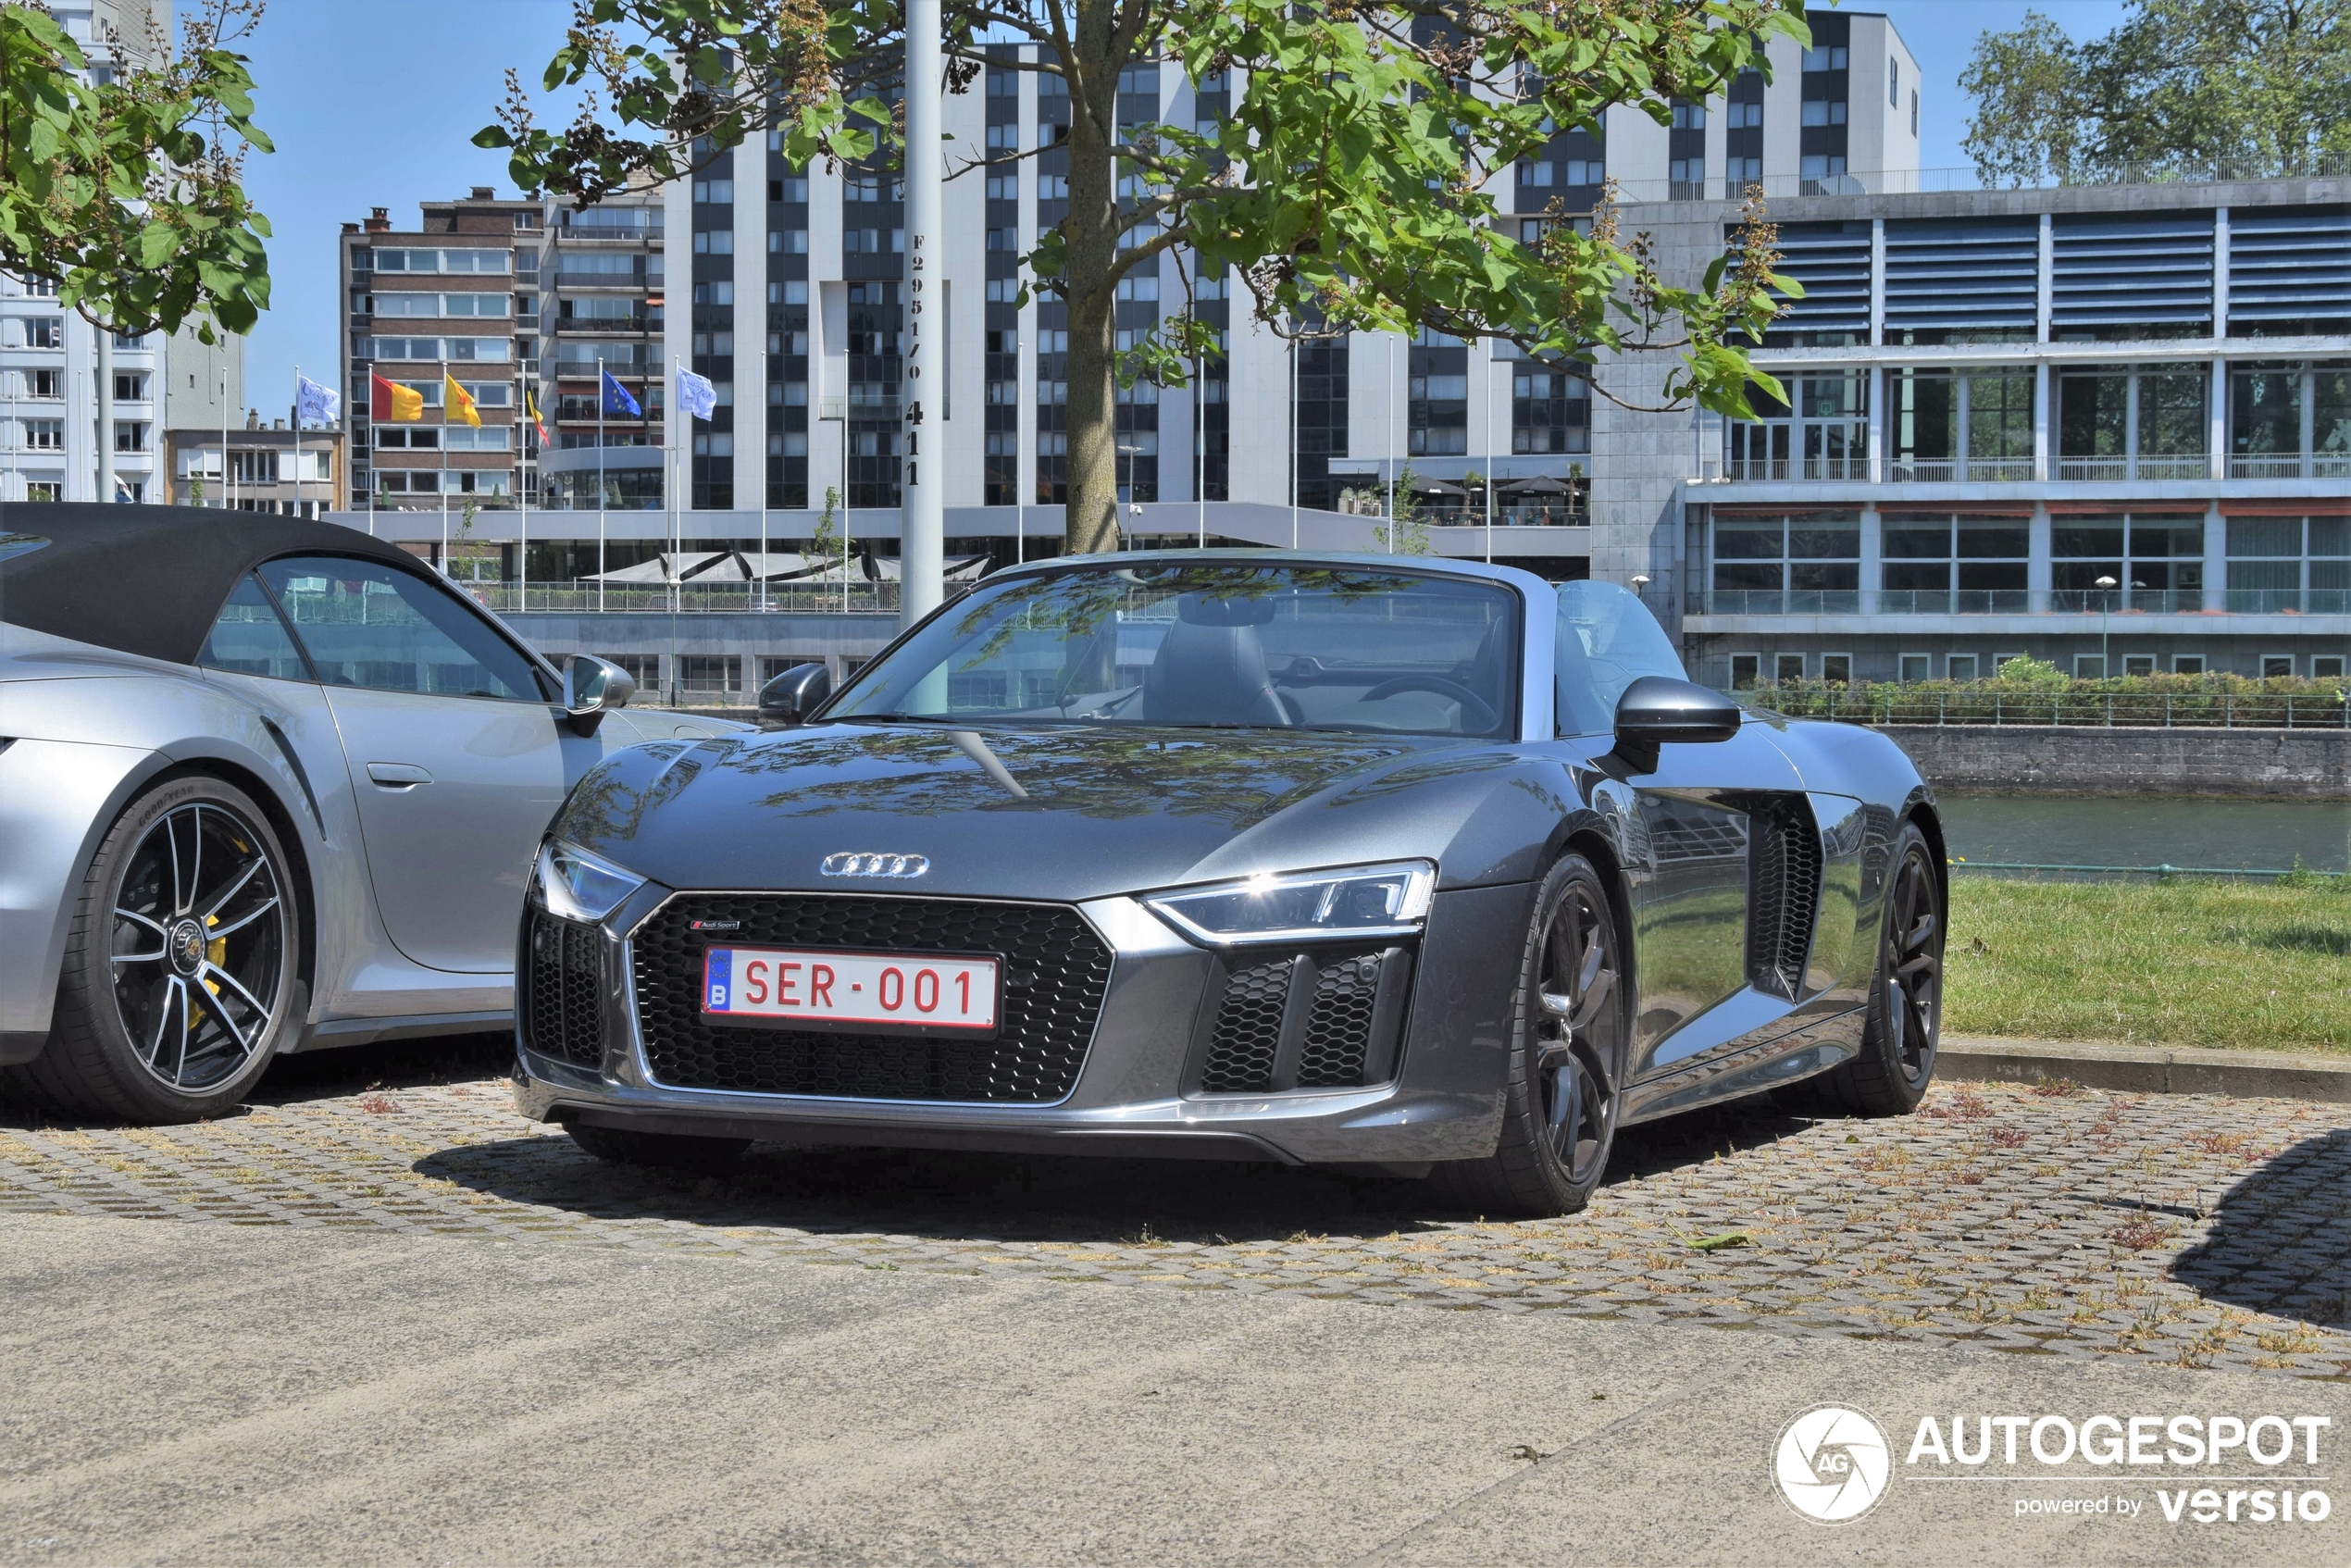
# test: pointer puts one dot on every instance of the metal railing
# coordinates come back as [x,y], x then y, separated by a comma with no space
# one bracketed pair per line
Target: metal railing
[690,598]
[2078,602]
[2156,710]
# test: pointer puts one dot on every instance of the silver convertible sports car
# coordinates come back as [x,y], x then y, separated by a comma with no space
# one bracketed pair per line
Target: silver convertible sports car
[265,784]
[1355,860]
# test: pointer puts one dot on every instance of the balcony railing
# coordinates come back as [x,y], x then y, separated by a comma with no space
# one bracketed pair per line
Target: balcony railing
[2084,602]
[692,598]
[2289,602]
[1816,469]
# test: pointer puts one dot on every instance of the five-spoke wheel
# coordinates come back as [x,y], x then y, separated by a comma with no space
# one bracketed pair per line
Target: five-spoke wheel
[181,974]
[1560,1104]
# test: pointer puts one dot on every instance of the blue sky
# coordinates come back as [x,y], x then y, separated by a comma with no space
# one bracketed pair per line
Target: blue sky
[374,105]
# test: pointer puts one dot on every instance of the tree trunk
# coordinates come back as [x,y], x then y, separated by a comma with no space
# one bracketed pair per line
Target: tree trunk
[1093,281]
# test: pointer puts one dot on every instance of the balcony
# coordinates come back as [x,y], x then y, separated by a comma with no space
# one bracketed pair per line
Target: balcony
[1954,470]
[2289,602]
[2291,465]
[1814,469]
[1954,602]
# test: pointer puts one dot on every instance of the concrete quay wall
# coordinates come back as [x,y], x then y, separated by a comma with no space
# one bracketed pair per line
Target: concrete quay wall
[2093,760]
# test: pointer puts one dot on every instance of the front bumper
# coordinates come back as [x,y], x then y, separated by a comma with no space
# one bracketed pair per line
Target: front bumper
[1442,1100]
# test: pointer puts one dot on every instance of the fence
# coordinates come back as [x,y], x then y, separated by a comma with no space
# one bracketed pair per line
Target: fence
[692,598]
[2163,710]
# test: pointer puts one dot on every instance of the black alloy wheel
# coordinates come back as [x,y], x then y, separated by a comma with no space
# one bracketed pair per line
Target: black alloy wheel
[1559,1107]
[180,970]
[1904,1019]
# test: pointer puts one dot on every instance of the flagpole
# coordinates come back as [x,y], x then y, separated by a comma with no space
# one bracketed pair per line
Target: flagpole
[224,438]
[297,422]
[442,442]
[600,482]
[522,482]
[763,477]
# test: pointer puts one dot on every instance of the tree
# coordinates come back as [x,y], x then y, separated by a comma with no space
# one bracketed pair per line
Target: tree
[126,192]
[2182,89]
[1348,185]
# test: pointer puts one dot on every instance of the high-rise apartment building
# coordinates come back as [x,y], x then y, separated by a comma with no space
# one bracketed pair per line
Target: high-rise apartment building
[601,312]
[453,300]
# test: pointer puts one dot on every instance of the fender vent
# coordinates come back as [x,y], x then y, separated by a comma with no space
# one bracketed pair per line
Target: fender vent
[1783,897]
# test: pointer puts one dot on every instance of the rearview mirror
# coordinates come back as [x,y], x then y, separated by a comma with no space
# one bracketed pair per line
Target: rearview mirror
[789,698]
[593,687]
[1658,708]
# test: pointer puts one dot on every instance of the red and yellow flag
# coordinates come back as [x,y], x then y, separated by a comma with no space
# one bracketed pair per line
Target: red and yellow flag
[389,403]
[537,419]
[457,402]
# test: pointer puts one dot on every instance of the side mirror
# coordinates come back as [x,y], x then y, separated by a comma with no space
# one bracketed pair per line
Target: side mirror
[1658,708]
[592,687]
[789,698]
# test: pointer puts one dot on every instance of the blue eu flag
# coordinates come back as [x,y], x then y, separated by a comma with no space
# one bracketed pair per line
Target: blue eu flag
[617,398]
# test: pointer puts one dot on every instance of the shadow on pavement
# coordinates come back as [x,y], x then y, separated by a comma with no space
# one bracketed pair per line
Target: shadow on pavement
[436,1059]
[2280,1238]
[958,1195]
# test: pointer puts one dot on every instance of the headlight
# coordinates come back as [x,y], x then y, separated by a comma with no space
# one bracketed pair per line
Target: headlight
[1355,900]
[580,885]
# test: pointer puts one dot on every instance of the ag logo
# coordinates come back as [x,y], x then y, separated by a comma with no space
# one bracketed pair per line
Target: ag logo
[1832,1465]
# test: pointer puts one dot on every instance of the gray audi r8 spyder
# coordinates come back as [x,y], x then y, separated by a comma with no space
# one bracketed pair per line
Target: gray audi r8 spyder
[1368,860]
[265,783]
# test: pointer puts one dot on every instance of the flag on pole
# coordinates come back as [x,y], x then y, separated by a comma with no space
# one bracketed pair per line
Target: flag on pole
[617,398]
[388,402]
[537,420]
[696,396]
[457,402]
[315,404]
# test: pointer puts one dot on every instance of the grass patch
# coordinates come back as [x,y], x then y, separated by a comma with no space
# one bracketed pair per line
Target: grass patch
[2191,961]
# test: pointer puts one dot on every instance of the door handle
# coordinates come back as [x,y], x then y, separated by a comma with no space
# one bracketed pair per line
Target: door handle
[398,775]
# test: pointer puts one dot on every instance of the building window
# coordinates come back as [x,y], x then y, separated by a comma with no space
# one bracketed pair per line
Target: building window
[1550,410]
[45,331]
[1745,671]
[2127,423]
[44,435]
[2155,563]
[1959,425]
[1806,563]
[1436,396]
[1960,667]
[1825,434]
[2326,666]
[1936,563]
[2287,565]
[1913,668]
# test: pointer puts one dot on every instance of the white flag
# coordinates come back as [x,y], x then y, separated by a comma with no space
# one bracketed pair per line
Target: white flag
[314,404]
[696,396]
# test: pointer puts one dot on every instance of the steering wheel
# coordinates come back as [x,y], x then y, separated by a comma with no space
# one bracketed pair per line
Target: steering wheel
[1474,708]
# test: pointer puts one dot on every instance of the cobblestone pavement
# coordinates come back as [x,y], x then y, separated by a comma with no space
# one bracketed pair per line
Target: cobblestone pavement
[2192,1230]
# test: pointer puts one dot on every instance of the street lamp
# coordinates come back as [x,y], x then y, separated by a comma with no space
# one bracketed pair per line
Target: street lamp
[2106,608]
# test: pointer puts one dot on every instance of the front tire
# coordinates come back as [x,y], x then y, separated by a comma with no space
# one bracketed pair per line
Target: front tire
[1898,1043]
[1569,1027]
[181,965]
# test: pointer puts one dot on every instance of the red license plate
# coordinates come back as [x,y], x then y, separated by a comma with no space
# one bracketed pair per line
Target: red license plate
[919,990]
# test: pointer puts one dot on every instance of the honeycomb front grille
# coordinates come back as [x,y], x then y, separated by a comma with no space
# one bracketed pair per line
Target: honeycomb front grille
[1783,899]
[560,1013]
[1054,972]
[1303,1021]
[1249,1029]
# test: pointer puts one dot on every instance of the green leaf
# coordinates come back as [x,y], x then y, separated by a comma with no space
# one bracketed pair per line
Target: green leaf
[1717,1242]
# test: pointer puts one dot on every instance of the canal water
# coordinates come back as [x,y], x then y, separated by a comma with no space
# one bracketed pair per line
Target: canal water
[2141,831]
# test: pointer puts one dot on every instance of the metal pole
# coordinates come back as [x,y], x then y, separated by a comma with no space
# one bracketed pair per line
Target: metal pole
[1293,443]
[922,520]
[1489,456]
[444,444]
[224,453]
[297,440]
[1396,428]
[523,429]
[1199,443]
[600,482]
[105,389]
[762,573]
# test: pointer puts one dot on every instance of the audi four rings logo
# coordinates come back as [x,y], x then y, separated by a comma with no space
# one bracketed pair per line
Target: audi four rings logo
[863,864]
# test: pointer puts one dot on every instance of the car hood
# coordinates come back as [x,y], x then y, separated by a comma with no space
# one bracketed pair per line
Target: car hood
[1062,814]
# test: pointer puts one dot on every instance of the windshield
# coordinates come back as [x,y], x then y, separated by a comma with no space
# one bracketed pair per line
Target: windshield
[1212,646]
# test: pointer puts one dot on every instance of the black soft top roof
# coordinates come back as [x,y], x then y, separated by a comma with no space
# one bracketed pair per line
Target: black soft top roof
[148,579]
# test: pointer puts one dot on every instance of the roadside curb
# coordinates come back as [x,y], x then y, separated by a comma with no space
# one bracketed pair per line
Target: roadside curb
[2136,1070]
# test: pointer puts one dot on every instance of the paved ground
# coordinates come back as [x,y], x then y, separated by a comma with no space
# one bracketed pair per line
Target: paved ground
[2191,1231]
[396,1322]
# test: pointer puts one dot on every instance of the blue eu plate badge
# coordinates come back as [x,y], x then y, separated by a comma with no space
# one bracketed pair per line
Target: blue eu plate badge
[716,976]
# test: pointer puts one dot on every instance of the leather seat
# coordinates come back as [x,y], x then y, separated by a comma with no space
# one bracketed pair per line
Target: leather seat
[1209,674]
